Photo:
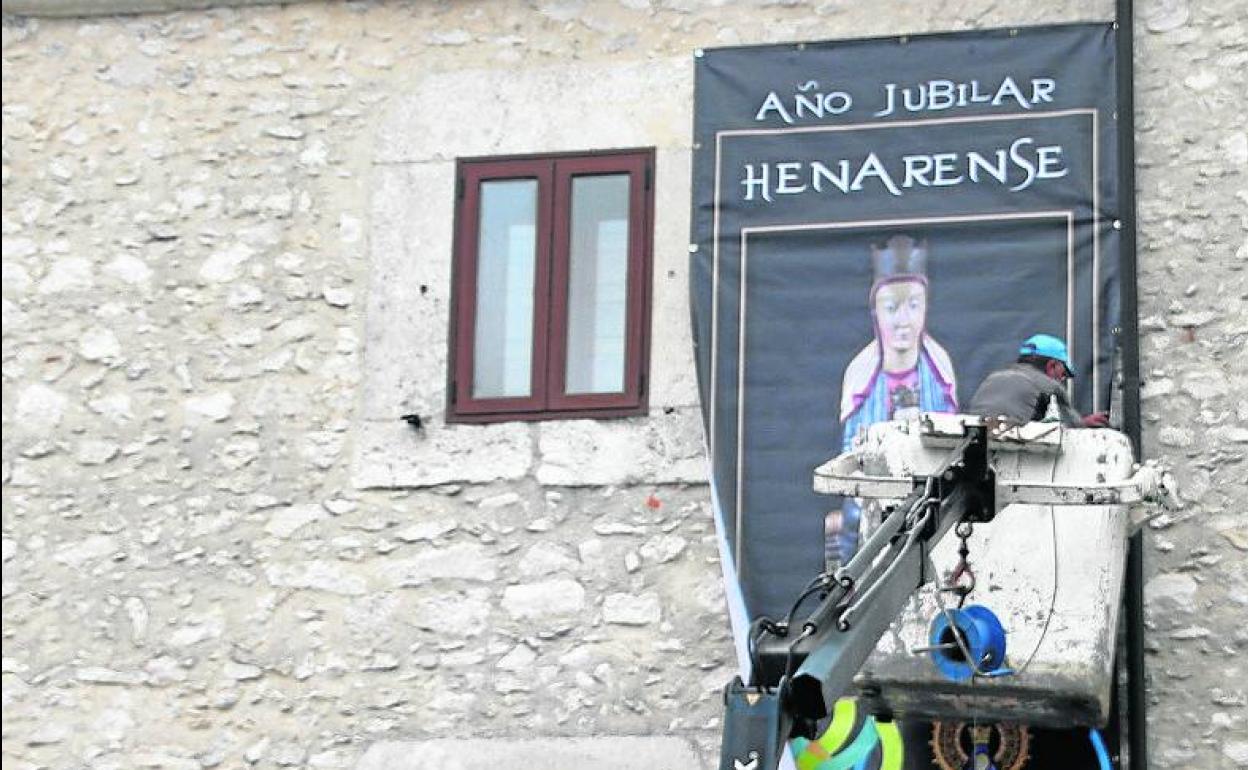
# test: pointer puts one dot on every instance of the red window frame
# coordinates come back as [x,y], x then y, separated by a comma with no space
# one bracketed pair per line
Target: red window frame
[547,398]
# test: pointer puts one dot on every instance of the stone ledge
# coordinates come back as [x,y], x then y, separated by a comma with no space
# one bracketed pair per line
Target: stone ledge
[391,453]
[72,8]
[601,753]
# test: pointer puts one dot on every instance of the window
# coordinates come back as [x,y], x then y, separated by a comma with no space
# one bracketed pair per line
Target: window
[550,310]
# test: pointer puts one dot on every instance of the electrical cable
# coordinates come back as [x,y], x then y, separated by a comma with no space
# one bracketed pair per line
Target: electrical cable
[1098,745]
[765,625]
[761,625]
[1044,630]
[822,581]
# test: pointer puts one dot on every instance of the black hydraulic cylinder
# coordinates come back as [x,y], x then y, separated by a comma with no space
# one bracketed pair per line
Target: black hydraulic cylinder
[836,654]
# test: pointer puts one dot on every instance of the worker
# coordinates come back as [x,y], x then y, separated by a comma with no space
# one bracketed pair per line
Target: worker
[1033,388]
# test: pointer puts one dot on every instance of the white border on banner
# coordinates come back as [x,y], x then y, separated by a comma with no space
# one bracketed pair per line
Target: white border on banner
[738,545]
[737,618]
[1067,215]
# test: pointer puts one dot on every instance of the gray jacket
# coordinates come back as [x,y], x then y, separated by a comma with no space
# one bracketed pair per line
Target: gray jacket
[1022,393]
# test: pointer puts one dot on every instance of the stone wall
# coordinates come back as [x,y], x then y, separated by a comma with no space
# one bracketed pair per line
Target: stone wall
[1192,160]
[208,561]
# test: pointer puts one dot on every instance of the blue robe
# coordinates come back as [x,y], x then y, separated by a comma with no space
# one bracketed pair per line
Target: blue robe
[937,393]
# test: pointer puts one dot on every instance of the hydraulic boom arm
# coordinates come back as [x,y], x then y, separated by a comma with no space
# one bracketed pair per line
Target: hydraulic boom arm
[799,668]
[799,671]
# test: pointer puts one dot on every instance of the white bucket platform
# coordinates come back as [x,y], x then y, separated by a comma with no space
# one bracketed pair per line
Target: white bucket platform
[1050,566]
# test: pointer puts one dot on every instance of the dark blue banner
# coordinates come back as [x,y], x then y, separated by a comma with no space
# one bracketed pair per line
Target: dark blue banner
[878,224]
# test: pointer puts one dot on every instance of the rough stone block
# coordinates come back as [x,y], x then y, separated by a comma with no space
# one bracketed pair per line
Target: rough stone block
[601,753]
[629,610]
[547,599]
[566,108]
[673,381]
[405,332]
[467,613]
[393,454]
[316,575]
[39,408]
[547,559]
[462,561]
[664,448]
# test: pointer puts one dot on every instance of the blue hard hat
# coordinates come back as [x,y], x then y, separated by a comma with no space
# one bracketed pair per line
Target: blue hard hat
[1048,346]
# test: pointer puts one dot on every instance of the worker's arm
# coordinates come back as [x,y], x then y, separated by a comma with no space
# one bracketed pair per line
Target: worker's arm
[1096,420]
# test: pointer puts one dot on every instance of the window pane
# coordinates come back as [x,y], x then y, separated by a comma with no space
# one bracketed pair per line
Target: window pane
[507,246]
[597,284]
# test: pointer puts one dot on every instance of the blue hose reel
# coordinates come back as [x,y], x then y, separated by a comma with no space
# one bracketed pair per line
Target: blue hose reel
[973,631]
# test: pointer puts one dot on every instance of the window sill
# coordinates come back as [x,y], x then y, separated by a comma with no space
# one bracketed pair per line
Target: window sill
[605,413]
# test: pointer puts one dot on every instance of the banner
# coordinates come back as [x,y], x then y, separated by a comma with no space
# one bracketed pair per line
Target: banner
[877,225]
